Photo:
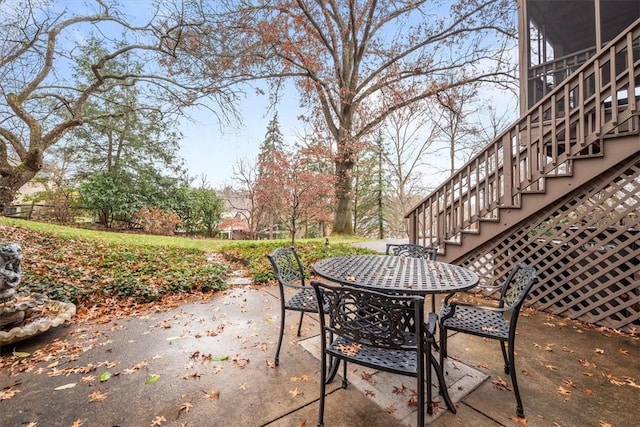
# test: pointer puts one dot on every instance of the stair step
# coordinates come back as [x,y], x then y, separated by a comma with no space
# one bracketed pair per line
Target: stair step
[489,219]
[475,232]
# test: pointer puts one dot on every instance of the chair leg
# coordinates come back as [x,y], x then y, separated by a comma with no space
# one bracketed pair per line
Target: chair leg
[443,385]
[443,345]
[323,375]
[277,358]
[505,357]
[428,375]
[514,381]
[300,324]
[421,400]
[344,374]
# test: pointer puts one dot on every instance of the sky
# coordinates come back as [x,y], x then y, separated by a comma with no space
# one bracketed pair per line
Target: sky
[211,150]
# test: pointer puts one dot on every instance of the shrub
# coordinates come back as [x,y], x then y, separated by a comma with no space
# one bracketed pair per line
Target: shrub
[254,254]
[156,221]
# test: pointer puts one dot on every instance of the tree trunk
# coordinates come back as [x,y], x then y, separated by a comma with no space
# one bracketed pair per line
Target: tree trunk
[342,223]
[10,182]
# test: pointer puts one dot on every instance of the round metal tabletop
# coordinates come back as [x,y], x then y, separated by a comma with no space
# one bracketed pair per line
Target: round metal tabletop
[398,274]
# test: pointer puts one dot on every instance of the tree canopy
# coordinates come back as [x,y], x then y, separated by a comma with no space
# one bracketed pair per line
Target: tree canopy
[357,62]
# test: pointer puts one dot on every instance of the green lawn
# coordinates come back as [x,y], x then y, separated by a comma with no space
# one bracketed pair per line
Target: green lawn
[90,268]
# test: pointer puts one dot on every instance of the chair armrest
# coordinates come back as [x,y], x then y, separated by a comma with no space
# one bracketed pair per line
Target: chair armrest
[454,305]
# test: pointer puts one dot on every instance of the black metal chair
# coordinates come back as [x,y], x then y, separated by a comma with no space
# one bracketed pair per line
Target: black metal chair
[414,251]
[380,331]
[497,323]
[289,271]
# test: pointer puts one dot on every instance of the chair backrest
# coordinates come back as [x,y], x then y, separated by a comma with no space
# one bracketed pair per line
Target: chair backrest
[411,250]
[287,266]
[371,318]
[516,287]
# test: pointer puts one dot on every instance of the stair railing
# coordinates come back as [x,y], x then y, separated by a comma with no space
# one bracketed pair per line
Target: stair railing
[571,121]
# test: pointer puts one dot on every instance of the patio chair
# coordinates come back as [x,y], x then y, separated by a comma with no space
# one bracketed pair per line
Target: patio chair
[414,251]
[289,271]
[498,323]
[411,250]
[380,331]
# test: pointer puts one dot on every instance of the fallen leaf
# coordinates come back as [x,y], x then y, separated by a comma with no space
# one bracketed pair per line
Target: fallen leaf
[105,376]
[97,396]
[599,351]
[551,367]
[221,358]
[21,354]
[586,363]
[8,393]
[587,374]
[152,379]
[295,392]
[66,386]
[623,351]
[77,423]
[214,395]
[239,361]
[186,407]
[521,421]
[390,409]
[158,420]
[370,393]
[368,376]
[603,424]
[500,384]
[218,368]
[400,390]
[615,381]
[564,391]
[569,383]
[243,386]
[349,350]
[588,392]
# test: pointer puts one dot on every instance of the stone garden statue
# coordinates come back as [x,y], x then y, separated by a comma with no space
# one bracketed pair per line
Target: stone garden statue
[10,273]
[24,315]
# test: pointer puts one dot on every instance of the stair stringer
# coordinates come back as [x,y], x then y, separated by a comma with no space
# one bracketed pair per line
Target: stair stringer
[584,169]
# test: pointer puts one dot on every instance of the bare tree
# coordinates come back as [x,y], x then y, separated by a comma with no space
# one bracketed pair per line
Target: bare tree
[244,198]
[359,61]
[43,101]
[409,137]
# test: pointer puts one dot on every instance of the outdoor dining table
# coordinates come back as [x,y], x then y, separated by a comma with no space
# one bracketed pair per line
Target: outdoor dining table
[396,274]
[389,273]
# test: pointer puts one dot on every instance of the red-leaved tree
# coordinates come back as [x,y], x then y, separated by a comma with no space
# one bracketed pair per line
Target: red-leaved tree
[295,188]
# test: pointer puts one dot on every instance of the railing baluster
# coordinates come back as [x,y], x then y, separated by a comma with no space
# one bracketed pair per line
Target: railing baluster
[598,89]
[630,66]
[567,119]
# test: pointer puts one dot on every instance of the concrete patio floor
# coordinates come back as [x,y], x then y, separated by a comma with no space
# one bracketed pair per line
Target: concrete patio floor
[212,365]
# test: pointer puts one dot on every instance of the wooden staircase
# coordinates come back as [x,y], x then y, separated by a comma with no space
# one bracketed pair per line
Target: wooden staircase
[538,159]
[578,144]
